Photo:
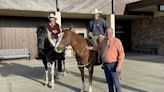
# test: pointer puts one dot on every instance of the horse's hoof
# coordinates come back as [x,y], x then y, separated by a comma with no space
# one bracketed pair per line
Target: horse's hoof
[82,91]
[45,85]
[64,74]
[52,87]
[90,90]
[57,77]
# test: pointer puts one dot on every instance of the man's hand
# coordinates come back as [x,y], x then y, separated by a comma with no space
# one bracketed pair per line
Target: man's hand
[119,71]
[86,47]
[89,48]
[54,31]
[118,68]
[119,75]
[90,34]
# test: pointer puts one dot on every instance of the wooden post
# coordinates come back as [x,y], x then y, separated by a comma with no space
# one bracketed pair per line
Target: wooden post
[111,20]
[58,14]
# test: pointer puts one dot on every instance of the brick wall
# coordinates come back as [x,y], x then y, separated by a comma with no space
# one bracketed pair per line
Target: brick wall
[149,30]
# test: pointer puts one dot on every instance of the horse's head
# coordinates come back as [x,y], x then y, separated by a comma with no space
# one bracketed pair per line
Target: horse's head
[41,36]
[41,31]
[65,39]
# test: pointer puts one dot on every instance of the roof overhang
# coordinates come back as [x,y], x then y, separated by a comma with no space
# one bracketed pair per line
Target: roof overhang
[23,13]
[83,7]
[43,14]
[145,7]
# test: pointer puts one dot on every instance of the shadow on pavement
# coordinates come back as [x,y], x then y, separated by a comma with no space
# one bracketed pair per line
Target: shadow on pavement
[102,80]
[147,58]
[68,86]
[36,73]
[33,73]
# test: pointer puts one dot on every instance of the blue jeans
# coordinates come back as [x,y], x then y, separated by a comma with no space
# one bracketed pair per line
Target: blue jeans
[112,77]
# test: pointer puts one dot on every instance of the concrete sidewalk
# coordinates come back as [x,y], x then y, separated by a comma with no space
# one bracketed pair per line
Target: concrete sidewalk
[141,73]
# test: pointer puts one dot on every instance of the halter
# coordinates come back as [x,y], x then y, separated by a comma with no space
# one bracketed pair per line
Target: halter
[81,66]
[60,36]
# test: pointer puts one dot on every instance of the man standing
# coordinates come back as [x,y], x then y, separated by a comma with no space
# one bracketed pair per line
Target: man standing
[113,57]
[97,26]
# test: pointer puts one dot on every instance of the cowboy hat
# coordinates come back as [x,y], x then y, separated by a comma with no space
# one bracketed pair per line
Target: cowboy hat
[52,16]
[96,11]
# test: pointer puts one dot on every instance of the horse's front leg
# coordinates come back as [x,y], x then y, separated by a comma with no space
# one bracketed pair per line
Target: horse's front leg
[82,78]
[46,72]
[52,74]
[90,69]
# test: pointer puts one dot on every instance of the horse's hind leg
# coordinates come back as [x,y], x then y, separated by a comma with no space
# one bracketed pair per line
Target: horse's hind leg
[52,75]
[90,69]
[56,69]
[59,65]
[64,68]
[82,78]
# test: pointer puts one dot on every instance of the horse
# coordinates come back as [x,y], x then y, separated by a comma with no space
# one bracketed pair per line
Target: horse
[84,57]
[47,54]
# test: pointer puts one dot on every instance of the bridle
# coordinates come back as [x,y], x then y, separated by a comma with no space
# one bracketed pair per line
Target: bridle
[60,36]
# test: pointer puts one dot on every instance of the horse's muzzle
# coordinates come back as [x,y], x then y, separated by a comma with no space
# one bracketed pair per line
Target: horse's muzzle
[58,49]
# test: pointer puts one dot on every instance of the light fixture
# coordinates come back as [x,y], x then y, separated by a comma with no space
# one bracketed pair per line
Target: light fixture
[161,7]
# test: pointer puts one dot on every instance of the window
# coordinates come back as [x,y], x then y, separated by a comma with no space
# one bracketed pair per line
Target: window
[82,34]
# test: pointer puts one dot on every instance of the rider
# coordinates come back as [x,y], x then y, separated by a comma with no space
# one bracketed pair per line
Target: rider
[97,26]
[97,29]
[53,30]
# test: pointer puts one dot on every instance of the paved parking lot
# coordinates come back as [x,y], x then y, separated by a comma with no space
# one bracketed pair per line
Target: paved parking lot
[141,73]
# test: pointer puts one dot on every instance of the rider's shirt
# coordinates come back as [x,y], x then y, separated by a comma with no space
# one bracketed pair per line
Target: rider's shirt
[54,27]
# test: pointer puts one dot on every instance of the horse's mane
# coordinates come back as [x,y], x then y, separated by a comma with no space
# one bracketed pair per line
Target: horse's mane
[77,36]
[41,31]
[46,46]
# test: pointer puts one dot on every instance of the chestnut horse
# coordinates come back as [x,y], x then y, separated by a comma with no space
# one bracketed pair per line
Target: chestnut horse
[84,57]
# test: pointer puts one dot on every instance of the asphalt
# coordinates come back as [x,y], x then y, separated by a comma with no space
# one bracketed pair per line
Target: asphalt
[141,73]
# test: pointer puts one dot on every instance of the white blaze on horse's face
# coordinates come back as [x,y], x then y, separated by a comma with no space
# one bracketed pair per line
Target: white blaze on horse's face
[60,36]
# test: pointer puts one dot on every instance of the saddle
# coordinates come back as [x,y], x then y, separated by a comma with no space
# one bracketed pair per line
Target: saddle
[96,54]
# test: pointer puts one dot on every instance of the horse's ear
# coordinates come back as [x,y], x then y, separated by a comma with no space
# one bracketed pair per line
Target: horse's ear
[70,28]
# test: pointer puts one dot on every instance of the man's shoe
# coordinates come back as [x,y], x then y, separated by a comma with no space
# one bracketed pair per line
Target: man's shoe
[37,57]
[102,67]
[59,70]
